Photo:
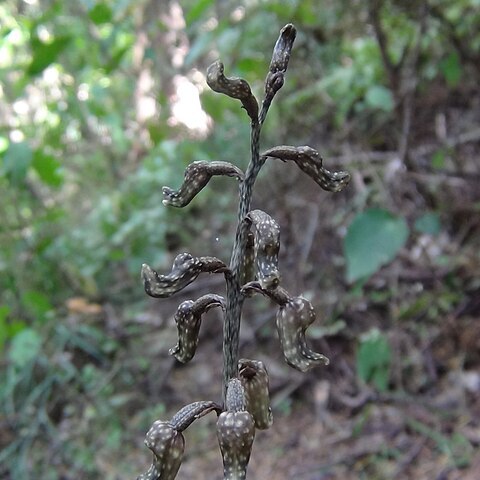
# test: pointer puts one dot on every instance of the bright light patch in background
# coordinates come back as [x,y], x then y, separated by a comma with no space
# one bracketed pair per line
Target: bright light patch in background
[145,104]
[186,107]
[83,92]
[17,136]
[20,107]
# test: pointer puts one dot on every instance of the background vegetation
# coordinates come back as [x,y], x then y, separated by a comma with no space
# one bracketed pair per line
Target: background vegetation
[104,102]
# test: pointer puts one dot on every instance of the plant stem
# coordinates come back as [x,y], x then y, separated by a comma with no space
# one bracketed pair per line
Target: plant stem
[231,328]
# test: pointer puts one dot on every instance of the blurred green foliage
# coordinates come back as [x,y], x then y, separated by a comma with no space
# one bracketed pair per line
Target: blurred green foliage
[373,239]
[374,359]
[82,166]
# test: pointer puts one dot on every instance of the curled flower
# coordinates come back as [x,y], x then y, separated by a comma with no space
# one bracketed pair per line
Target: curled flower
[235,433]
[266,234]
[197,175]
[233,87]
[292,320]
[310,161]
[185,270]
[278,66]
[254,378]
[188,318]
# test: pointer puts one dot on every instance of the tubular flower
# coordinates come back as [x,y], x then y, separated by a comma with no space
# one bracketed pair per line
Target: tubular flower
[254,378]
[293,319]
[235,432]
[185,270]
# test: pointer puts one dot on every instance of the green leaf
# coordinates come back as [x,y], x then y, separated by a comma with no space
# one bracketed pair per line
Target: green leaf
[44,54]
[379,97]
[373,359]
[308,13]
[428,223]
[8,328]
[250,66]
[3,144]
[100,13]
[451,69]
[37,303]
[117,57]
[25,347]
[4,311]
[197,10]
[16,161]
[47,168]
[438,159]
[372,240]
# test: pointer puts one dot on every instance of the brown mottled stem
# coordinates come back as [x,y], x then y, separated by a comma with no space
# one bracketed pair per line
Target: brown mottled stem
[234,295]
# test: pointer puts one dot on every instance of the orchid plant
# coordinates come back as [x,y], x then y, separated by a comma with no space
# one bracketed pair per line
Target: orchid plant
[253,269]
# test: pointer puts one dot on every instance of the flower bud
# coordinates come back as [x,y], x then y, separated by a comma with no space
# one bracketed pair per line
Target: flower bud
[278,66]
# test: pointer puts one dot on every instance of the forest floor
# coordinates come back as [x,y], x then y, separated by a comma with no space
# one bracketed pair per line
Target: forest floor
[327,425]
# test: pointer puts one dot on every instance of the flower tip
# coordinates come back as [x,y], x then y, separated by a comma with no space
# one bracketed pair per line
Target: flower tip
[147,271]
[289,30]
